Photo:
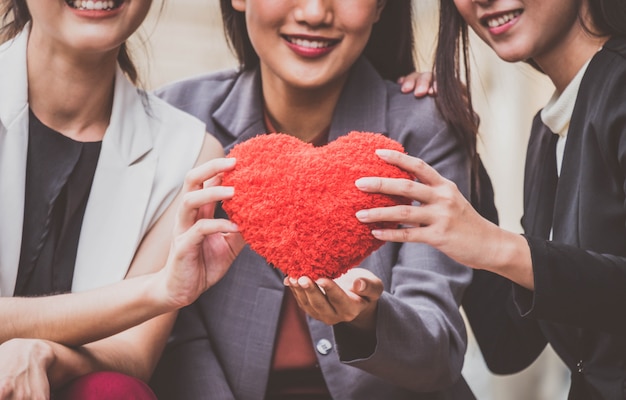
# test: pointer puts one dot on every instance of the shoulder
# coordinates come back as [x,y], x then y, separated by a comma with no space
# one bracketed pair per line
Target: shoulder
[406,108]
[199,94]
[601,98]
[417,123]
[177,137]
[606,72]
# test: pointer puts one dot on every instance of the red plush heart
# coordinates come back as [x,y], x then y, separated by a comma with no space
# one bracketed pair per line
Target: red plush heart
[295,204]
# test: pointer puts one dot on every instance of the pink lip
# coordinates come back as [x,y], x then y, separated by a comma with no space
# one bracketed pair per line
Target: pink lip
[499,30]
[309,52]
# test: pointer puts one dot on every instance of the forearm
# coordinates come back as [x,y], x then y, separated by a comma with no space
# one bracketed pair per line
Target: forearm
[506,254]
[78,318]
[420,348]
[134,352]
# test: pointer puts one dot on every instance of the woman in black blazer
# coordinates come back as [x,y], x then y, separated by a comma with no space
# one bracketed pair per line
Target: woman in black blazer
[569,268]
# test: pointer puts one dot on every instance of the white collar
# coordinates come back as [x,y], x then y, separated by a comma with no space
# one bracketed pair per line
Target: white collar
[557,114]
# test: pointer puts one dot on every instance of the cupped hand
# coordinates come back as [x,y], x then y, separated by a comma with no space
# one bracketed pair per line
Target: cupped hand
[443,219]
[352,298]
[204,247]
[23,369]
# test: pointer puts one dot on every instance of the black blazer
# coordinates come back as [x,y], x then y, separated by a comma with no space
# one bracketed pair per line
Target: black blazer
[579,302]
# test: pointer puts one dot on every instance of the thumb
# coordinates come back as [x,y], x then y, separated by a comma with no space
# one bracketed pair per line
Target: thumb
[370,289]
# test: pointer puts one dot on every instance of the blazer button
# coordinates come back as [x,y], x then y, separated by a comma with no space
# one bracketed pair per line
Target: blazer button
[324,346]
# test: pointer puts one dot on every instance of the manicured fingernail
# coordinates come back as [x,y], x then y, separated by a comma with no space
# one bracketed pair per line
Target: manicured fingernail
[303,282]
[383,153]
[377,233]
[361,285]
[363,183]
[362,214]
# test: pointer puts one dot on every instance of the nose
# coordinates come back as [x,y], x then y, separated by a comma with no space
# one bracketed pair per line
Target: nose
[314,12]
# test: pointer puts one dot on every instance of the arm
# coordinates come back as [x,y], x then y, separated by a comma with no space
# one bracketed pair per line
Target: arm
[508,342]
[447,221]
[200,254]
[76,318]
[420,334]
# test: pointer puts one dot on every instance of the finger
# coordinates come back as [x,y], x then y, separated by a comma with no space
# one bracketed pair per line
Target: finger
[369,289]
[423,84]
[314,297]
[420,169]
[402,214]
[396,187]
[196,177]
[402,235]
[337,297]
[407,83]
[194,200]
[298,293]
[195,235]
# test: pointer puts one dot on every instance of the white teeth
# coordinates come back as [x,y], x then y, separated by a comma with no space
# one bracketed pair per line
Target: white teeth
[311,44]
[92,5]
[502,19]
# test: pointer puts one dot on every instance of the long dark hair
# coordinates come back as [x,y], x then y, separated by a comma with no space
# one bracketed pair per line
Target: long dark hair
[608,17]
[14,16]
[389,49]
[452,74]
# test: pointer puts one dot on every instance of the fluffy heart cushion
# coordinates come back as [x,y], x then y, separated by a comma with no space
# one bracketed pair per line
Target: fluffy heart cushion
[295,204]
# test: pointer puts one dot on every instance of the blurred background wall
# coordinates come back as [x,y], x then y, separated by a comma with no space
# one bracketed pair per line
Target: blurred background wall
[183,38]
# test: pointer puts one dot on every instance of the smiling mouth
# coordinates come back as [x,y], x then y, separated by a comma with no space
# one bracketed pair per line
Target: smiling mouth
[496,21]
[105,5]
[310,43]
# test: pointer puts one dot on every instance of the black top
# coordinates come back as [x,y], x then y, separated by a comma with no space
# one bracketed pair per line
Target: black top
[59,174]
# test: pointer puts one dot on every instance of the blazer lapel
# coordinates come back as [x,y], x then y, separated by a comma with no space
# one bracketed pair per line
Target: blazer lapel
[567,210]
[13,152]
[241,113]
[535,168]
[113,224]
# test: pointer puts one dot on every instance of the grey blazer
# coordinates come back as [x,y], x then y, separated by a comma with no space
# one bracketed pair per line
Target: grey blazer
[221,346]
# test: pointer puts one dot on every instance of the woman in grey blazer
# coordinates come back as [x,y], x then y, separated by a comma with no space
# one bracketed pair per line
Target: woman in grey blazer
[566,276]
[317,70]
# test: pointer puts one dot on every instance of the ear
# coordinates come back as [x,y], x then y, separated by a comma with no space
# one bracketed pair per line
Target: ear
[379,8]
[239,5]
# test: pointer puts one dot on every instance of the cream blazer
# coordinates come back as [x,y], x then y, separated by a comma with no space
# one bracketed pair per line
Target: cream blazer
[146,151]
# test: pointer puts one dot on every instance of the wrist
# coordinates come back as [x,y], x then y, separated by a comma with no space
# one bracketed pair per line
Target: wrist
[366,320]
[512,259]
[159,293]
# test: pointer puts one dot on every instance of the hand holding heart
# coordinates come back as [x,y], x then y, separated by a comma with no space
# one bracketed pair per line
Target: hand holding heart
[295,204]
[351,298]
[204,247]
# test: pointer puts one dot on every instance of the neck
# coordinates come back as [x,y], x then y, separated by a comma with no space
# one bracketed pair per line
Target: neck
[563,64]
[303,113]
[71,93]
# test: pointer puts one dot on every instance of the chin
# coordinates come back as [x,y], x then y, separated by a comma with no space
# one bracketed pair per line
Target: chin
[512,56]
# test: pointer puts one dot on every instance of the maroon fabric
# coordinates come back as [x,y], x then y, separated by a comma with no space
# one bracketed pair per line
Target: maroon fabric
[105,386]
